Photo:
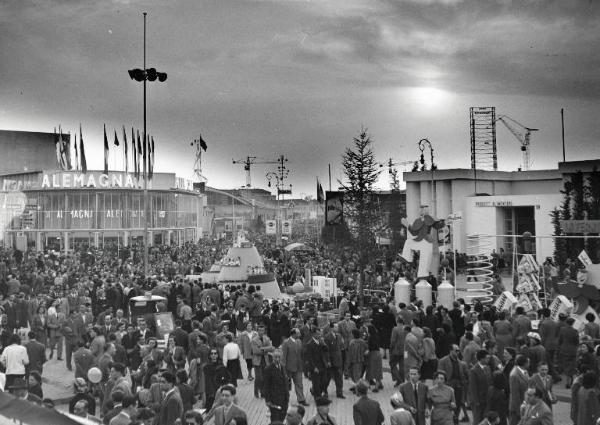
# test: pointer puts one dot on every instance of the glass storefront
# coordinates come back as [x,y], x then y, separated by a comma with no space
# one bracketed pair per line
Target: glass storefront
[102,217]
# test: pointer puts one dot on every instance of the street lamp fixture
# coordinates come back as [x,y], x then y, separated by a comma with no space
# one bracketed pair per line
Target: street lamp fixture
[425,143]
[143,75]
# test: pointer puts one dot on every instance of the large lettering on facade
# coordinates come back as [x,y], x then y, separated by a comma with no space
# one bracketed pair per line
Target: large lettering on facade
[90,180]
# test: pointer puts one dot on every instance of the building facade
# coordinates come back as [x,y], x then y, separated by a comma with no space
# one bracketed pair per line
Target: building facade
[65,209]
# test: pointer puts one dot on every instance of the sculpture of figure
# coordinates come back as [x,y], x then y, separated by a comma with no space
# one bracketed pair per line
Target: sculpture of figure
[424,232]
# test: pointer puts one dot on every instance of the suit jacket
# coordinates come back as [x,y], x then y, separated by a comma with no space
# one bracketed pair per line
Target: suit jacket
[315,357]
[521,326]
[367,412]
[536,381]
[334,348]
[261,349]
[36,351]
[222,419]
[480,380]
[408,395]
[54,323]
[292,355]
[120,419]
[548,330]
[171,409]
[538,414]
[397,341]
[445,365]
[84,360]
[518,383]
[275,384]
[346,329]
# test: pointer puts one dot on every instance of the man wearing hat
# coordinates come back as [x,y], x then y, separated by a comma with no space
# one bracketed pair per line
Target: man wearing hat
[322,417]
[537,352]
[82,393]
[366,411]
[20,389]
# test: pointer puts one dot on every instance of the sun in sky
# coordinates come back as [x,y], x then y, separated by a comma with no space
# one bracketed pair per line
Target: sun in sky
[428,97]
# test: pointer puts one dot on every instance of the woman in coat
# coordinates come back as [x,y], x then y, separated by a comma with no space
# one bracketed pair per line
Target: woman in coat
[503,332]
[246,347]
[374,361]
[429,365]
[497,396]
[440,399]
[588,405]
[568,342]
[355,358]
[38,325]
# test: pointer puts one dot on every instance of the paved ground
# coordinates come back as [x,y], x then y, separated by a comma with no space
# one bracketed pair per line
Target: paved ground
[58,386]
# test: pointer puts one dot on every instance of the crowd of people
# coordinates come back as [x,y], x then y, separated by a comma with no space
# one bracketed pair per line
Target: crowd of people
[443,363]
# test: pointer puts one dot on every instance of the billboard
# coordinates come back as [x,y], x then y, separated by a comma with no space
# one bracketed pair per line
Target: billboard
[334,205]
[271,227]
[286,227]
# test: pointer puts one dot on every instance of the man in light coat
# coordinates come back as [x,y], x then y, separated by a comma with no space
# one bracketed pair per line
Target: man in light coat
[261,347]
[292,362]
[518,382]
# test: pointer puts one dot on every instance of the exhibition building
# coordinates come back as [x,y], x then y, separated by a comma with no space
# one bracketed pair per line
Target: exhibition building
[45,205]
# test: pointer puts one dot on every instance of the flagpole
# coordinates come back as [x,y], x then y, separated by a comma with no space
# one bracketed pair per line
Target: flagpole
[145,177]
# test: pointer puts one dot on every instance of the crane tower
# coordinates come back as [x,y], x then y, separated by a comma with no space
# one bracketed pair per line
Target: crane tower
[248,162]
[523,136]
[483,138]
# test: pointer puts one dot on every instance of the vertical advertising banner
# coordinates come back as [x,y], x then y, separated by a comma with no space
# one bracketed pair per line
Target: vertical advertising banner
[334,205]
[271,227]
[286,227]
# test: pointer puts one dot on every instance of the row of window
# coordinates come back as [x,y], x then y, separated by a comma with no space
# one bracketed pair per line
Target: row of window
[98,210]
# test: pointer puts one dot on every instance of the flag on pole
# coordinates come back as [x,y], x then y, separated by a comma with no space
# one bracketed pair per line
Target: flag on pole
[144,154]
[320,195]
[134,153]
[151,157]
[63,154]
[82,152]
[125,145]
[105,151]
[116,139]
[67,144]
[139,155]
[76,155]
[202,143]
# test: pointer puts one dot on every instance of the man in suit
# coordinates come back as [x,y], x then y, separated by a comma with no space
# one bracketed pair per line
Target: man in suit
[536,412]
[480,379]
[55,322]
[457,374]
[521,323]
[70,331]
[127,413]
[291,359]
[346,326]
[397,351]
[334,343]
[143,330]
[36,351]
[277,394]
[316,360]
[261,347]
[228,410]
[83,359]
[413,351]
[366,411]
[518,382]
[414,394]
[548,330]
[171,406]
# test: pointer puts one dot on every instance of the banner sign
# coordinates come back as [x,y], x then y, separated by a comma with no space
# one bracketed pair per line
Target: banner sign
[271,227]
[560,304]
[585,258]
[505,301]
[334,205]
[286,227]
[580,226]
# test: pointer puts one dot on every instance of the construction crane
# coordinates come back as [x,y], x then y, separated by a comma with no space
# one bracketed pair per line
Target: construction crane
[248,162]
[523,136]
[393,172]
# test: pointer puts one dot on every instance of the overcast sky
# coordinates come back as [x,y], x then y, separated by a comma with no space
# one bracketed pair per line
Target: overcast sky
[300,78]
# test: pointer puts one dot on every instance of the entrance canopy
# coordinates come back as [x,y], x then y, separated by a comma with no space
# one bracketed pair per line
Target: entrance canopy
[297,246]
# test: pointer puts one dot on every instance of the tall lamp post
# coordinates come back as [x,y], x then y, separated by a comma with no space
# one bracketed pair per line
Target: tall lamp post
[144,75]
[423,143]
[279,176]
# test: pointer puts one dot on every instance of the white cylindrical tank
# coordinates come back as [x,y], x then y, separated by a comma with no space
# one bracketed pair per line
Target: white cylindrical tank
[445,294]
[423,292]
[402,291]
